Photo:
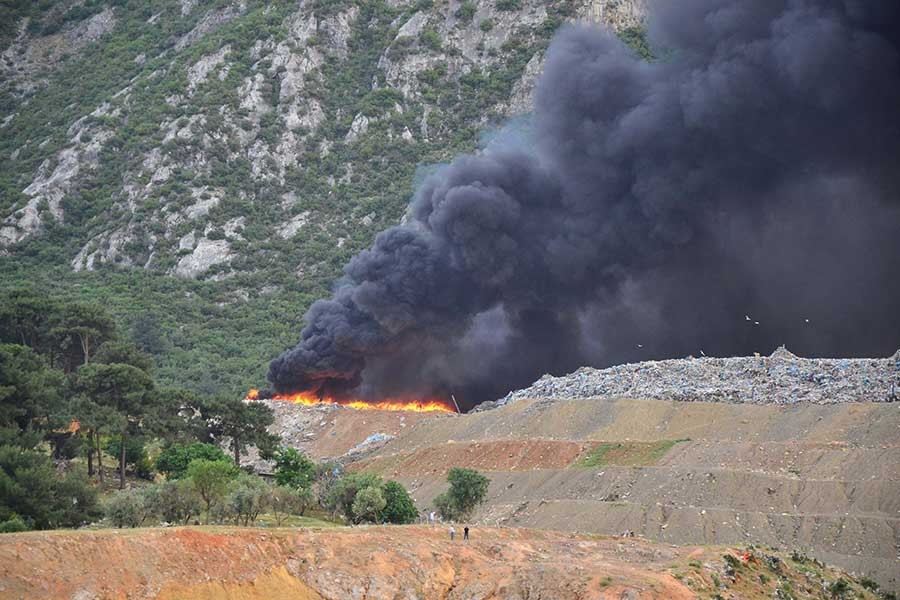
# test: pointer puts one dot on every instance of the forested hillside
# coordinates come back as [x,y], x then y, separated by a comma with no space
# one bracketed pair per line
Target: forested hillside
[204,169]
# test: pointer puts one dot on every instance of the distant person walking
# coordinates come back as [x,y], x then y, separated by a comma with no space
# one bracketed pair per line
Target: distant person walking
[431,518]
[466,533]
[452,533]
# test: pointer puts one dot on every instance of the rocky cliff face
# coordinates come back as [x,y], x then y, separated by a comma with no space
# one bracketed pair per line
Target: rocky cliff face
[211,139]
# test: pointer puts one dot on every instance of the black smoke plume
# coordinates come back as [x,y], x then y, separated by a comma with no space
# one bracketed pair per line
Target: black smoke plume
[738,192]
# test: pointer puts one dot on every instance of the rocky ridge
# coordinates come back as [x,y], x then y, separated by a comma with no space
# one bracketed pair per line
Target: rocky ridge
[277,113]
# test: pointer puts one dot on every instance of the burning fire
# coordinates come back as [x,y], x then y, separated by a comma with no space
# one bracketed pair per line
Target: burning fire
[310,399]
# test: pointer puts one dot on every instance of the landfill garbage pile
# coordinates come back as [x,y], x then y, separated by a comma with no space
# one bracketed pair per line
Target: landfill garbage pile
[782,378]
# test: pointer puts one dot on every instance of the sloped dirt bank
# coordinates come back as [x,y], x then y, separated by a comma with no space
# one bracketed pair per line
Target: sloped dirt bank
[379,562]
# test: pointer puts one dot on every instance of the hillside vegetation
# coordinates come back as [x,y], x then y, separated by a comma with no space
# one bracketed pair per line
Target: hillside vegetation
[211,165]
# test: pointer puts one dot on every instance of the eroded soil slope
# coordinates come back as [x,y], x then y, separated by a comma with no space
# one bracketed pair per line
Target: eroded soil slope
[820,478]
[390,563]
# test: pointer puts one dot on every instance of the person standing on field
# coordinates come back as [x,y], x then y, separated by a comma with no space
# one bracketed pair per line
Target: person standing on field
[466,533]
[452,531]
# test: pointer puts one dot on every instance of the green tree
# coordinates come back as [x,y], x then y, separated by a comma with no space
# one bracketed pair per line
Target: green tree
[25,317]
[225,418]
[32,396]
[399,507]
[125,353]
[445,507]
[328,474]
[76,500]
[146,334]
[78,329]
[31,491]
[211,479]
[93,419]
[368,504]
[31,393]
[185,417]
[135,454]
[468,489]
[174,460]
[293,469]
[243,423]
[26,486]
[466,11]
[123,389]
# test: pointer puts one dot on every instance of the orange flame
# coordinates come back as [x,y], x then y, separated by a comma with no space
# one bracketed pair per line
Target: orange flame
[310,399]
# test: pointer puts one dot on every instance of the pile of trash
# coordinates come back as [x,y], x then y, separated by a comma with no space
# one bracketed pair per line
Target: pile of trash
[781,378]
[373,441]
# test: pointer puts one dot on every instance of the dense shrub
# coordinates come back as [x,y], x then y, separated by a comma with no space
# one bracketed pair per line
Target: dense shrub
[126,508]
[172,501]
[285,501]
[430,39]
[174,460]
[30,490]
[367,497]
[466,11]
[247,497]
[509,4]
[13,524]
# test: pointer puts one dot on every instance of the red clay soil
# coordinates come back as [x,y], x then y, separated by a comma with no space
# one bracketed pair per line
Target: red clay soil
[501,455]
[363,562]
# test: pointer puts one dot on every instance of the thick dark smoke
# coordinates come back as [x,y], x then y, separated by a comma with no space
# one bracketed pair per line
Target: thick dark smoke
[752,170]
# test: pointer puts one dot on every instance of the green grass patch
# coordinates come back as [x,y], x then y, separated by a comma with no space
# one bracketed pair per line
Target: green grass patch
[309,520]
[627,454]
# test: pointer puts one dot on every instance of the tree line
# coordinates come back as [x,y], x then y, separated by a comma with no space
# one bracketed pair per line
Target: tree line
[73,385]
[74,388]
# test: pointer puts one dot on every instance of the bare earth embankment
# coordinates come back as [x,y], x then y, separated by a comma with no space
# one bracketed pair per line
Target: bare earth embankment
[816,469]
[411,562]
[698,477]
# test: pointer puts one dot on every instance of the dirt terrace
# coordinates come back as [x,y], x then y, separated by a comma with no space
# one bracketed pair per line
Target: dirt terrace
[820,478]
[500,455]
[385,563]
[824,479]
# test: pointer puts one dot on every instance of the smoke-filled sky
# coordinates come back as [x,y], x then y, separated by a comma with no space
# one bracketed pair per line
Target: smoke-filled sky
[739,192]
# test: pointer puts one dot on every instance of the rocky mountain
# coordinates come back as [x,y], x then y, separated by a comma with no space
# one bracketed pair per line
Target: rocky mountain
[202,161]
